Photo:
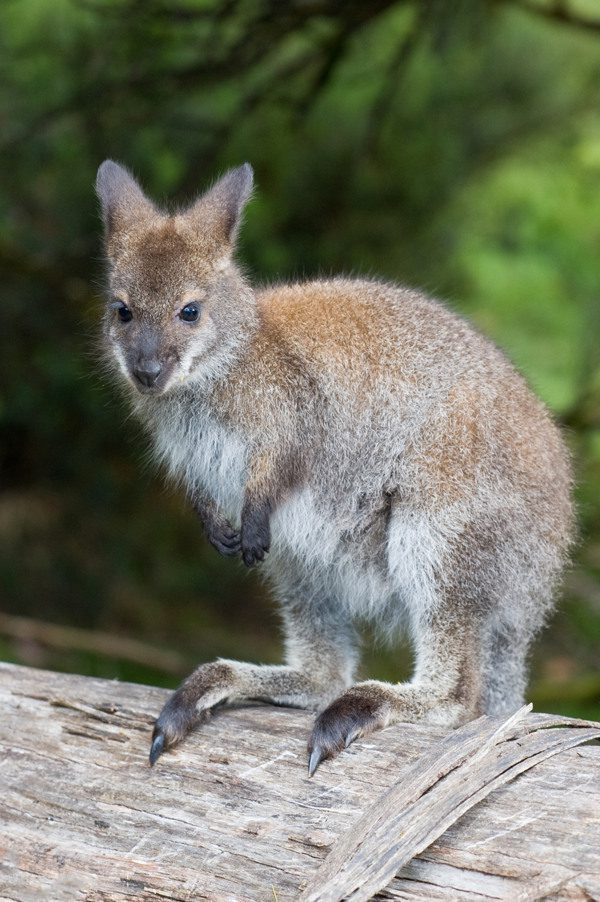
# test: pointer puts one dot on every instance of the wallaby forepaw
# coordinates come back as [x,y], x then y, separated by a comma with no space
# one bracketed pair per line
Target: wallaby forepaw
[206,689]
[358,712]
[256,535]
[224,538]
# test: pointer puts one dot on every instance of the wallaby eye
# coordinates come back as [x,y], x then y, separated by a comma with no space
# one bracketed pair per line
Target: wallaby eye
[123,312]
[189,313]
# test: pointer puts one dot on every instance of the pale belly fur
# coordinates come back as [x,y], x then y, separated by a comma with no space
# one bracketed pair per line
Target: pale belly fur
[397,581]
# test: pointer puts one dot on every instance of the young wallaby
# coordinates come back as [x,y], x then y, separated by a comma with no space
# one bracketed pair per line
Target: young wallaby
[380,458]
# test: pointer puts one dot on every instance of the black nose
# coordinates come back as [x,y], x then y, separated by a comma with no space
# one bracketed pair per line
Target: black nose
[148,373]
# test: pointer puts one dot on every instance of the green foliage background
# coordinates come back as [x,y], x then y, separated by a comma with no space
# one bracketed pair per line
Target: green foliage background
[453,146]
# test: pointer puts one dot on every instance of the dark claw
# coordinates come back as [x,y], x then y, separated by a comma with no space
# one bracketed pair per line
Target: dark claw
[316,756]
[253,556]
[352,735]
[157,747]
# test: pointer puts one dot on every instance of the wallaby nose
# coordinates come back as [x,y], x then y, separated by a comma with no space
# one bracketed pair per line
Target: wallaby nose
[148,372]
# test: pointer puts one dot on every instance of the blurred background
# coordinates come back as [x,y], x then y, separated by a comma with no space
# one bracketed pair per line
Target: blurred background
[454,146]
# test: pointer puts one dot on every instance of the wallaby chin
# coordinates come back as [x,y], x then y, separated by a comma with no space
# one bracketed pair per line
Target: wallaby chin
[374,454]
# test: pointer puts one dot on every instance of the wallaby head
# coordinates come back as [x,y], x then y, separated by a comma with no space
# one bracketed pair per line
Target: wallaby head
[178,305]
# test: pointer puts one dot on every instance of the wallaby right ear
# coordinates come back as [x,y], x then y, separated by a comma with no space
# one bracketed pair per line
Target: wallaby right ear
[219,210]
[123,202]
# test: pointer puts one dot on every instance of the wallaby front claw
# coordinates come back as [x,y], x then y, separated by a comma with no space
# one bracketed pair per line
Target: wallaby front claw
[256,533]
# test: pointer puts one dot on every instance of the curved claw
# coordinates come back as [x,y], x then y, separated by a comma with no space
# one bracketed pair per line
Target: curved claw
[157,747]
[352,735]
[316,756]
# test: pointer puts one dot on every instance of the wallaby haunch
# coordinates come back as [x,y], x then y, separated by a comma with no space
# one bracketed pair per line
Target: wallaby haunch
[388,458]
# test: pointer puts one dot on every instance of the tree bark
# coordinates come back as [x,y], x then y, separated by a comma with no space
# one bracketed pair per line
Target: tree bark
[232,815]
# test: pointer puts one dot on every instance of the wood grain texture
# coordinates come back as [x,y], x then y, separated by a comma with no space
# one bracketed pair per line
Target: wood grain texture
[232,815]
[448,780]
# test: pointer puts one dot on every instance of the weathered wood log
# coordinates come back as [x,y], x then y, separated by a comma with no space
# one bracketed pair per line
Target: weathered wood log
[232,815]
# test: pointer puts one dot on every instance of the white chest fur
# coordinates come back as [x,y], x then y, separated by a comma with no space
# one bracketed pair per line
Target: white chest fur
[201,453]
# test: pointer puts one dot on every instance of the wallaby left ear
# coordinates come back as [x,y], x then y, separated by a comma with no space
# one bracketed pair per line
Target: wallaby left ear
[219,211]
[124,204]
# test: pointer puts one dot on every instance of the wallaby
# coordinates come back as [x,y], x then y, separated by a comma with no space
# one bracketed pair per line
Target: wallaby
[381,459]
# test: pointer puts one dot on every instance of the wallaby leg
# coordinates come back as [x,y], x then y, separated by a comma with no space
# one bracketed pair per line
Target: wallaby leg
[445,689]
[320,661]
[505,667]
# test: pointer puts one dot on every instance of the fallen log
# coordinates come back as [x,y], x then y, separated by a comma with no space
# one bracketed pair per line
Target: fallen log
[409,813]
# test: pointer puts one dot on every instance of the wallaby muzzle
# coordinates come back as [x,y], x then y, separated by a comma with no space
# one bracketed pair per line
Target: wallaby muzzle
[150,370]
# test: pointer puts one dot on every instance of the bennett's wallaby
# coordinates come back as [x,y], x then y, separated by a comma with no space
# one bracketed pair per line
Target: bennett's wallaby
[387,457]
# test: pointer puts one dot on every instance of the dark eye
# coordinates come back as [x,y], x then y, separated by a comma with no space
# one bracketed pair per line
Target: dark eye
[123,312]
[189,313]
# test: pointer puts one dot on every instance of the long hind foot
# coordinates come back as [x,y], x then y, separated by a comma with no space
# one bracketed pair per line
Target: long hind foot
[207,688]
[213,685]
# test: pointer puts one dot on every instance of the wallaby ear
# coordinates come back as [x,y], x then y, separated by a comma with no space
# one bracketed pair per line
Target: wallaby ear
[123,202]
[219,211]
